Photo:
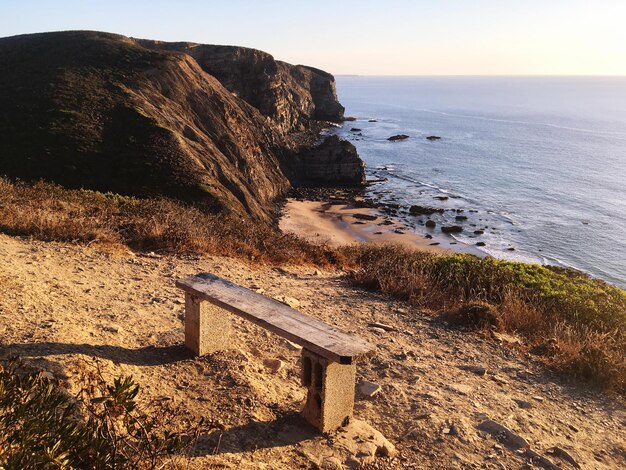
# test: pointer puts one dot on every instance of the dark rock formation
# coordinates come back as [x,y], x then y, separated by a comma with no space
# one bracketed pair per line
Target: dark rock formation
[111,113]
[431,224]
[451,229]
[365,216]
[334,162]
[433,137]
[461,217]
[355,129]
[423,210]
[398,137]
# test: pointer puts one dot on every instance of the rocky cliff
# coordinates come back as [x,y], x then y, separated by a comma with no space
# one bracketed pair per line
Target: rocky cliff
[208,124]
[292,96]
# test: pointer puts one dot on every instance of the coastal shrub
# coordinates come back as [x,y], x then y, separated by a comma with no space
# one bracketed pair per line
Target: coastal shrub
[42,426]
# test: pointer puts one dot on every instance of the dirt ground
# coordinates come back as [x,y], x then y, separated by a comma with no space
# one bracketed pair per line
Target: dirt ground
[62,307]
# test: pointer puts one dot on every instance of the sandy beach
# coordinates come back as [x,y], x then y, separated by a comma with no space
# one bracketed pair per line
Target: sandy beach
[343,224]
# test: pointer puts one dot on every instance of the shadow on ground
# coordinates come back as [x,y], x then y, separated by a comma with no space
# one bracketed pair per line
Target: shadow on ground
[146,356]
[286,430]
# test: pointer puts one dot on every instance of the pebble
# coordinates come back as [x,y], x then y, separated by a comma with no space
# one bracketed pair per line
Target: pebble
[369,389]
[499,380]
[378,330]
[290,301]
[381,326]
[461,388]
[523,404]
[478,370]
[111,328]
[292,346]
[274,365]
[504,434]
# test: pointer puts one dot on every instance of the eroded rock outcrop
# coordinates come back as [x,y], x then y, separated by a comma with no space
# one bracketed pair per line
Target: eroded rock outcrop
[334,162]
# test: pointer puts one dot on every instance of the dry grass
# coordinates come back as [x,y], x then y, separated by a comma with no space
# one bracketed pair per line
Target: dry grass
[574,323]
[52,213]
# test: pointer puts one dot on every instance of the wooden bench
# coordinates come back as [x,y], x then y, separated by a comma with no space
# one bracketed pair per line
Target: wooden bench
[328,355]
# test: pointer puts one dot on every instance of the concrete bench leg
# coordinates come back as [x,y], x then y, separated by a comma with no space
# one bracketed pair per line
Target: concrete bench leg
[330,391]
[207,327]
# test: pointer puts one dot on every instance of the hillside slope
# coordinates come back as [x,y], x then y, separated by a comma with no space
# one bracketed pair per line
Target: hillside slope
[97,110]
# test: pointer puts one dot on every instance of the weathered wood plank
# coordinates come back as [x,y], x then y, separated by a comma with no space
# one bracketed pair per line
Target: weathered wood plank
[281,319]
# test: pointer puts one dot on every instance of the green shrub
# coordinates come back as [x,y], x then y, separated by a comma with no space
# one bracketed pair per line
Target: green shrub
[41,426]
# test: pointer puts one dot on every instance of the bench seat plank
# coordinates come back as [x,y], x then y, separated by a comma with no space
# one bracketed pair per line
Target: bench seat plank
[277,317]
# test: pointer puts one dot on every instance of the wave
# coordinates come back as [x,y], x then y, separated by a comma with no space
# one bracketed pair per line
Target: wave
[389,171]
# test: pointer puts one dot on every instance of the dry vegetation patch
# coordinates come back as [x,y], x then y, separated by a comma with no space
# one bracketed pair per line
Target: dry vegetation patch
[51,213]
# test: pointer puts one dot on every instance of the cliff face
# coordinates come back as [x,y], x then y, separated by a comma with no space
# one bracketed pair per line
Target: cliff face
[292,96]
[334,162]
[101,111]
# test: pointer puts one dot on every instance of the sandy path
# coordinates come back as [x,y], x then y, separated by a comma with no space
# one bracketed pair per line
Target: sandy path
[62,305]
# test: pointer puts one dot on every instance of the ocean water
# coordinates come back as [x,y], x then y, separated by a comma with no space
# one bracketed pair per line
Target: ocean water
[538,163]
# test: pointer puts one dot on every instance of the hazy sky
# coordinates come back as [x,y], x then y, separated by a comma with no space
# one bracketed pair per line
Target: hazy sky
[383,37]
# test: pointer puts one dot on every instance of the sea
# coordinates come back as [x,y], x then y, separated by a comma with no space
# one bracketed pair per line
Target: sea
[536,163]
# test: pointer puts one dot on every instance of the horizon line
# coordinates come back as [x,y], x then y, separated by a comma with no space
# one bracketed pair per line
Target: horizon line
[480,75]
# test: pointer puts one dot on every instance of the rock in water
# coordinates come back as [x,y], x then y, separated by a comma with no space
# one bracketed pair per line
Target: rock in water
[365,216]
[433,137]
[451,229]
[398,137]
[423,210]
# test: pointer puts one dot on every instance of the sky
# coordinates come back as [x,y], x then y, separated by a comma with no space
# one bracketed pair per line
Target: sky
[383,37]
